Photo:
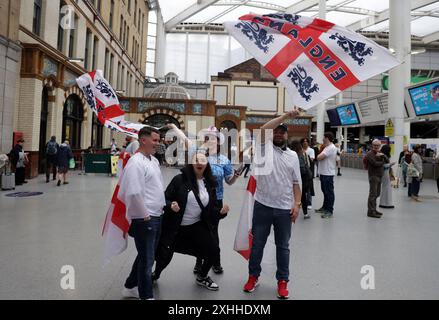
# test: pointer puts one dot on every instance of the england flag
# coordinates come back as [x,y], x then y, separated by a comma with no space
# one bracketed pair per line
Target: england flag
[314,59]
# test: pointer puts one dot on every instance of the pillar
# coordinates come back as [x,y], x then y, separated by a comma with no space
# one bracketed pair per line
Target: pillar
[399,77]
[321,106]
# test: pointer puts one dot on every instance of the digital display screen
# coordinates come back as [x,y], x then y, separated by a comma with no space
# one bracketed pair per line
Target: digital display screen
[425,99]
[348,115]
[333,117]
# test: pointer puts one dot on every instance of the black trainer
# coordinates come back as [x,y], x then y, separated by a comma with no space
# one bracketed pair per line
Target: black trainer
[207,283]
[217,269]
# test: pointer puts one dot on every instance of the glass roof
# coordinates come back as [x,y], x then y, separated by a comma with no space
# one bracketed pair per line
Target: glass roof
[354,14]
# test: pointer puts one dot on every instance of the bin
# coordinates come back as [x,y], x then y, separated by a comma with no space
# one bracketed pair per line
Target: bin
[97,163]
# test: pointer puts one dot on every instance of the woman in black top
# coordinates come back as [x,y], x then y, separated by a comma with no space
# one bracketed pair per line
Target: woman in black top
[190,214]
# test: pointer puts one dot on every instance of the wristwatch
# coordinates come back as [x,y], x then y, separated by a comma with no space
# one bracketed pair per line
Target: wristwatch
[299,204]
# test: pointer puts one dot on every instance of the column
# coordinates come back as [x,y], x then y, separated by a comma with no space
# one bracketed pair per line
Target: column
[321,106]
[160,53]
[399,77]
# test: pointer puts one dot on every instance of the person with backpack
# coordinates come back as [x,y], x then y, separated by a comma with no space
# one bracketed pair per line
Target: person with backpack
[51,155]
[305,173]
[374,162]
[64,155]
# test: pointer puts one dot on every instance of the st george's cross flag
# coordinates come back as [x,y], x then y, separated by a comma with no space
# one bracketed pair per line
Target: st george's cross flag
[314,59]
[116,225]
[103,101]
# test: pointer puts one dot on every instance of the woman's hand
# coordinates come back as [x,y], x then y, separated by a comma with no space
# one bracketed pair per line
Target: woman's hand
[175,207]
[225,210]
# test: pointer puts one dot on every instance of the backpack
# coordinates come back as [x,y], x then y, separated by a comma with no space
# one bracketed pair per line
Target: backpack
[412,172]
[51,148]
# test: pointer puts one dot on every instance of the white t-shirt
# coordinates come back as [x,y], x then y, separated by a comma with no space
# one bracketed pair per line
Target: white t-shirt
[327,166]
[310,152]
[141,187]
[192,213]
[275,179]
[132,147]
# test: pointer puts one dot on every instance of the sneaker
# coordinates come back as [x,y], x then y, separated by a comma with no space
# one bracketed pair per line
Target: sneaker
[130,293]
[198,265]
[282,290]
[65,182]
[306,216]
[217,269]
[378,213]
[373,215]
[321,210]
[251,284]
[207,283]
[309,207]
[326,215]
[59,183]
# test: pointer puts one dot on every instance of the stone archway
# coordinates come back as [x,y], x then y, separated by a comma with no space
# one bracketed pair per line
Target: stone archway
[77,91]
[163,111]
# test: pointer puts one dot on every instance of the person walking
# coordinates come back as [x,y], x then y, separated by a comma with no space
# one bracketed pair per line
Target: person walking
[52,148]
[415,172]
[375,161]
[305,173]
[277,202]
[141,189]
[310,152]
[19,160]
[326,168]
[191,213]
[63,157]
[386,185]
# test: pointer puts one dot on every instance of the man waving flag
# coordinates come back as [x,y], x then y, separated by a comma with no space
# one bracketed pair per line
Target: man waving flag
[313,58]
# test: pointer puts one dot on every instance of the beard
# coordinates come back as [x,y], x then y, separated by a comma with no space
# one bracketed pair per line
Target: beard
[279,143]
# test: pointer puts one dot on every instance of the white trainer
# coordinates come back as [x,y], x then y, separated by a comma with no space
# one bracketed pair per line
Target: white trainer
[130,293]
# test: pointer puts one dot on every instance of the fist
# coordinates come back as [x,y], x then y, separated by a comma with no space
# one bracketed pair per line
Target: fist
[175,207]
[295,112]
[225,209]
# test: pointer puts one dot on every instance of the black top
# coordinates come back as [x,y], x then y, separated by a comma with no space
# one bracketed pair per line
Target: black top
[178,191]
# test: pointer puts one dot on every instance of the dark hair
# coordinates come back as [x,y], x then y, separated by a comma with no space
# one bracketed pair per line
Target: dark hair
[296,146]
[207,175]
[53,138]
[303,140]
[386,150]
[417,148]
[408,157]
[147,131]
[329,136]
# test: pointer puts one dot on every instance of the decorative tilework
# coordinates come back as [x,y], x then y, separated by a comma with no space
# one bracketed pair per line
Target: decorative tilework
[50,67]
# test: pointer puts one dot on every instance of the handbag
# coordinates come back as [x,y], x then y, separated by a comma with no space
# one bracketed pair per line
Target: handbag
[72,163]
[412,172]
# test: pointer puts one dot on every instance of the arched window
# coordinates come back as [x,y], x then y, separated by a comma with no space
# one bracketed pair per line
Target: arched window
[96,133]
[73,115]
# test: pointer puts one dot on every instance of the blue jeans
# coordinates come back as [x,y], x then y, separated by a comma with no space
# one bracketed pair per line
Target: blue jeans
[146,235]
[263,218]
[414,187]
[327,185]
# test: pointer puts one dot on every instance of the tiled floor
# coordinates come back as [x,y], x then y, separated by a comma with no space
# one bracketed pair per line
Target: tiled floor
[39,235]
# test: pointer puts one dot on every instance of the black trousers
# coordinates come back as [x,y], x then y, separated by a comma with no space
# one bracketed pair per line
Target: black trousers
[19,176]
[197,240]
[217,260]
[247,169]
[50,166]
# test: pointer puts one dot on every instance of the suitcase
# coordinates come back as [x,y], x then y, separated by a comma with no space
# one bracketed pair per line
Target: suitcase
[8,181]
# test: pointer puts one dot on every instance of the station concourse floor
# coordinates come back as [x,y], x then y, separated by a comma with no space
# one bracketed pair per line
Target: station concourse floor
[39,235]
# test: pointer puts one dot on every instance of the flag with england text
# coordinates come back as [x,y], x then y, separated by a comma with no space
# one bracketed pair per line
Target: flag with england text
[102,99]
[313,58]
